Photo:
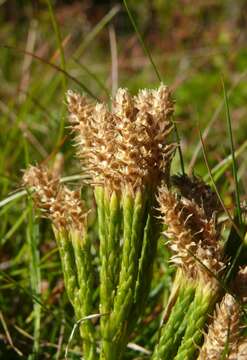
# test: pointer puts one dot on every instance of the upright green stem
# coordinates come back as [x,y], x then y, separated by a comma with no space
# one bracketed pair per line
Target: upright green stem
[145,269]
[133,211]
[116,332]
[112,225]
[149,247]
[199,310]
[171,333]
[83,258]
[109,223]
[123,286]
[104,283]
[68,264]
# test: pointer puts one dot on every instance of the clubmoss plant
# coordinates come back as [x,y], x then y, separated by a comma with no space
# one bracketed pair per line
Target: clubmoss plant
[127,153]
[69,219]
[194,241]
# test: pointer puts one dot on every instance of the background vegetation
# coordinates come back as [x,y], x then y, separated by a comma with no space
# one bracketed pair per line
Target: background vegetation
[91,46]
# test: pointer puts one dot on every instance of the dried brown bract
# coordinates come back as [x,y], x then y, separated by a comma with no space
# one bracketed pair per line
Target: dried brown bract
[223,333]
[127,146]
[242,349]
[192,236]
[63,206]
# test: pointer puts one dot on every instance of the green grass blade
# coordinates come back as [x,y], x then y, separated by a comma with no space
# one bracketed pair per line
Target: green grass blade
[63,64]
[179,148]
[213,120]
[5,328]
[59,40]
[15,227]
[35,275]
[221,167]
[214,185]
[101,24]
[93,76]
[54,66]
[142,42]
[234,163]
[4,276]
[238,231]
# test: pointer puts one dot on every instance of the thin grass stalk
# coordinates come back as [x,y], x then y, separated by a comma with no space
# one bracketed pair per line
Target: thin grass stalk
[35,275]
[54,66]
[236,228]
[63,63]
[94,77]
[234,163]
[96,30]
[142,42]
